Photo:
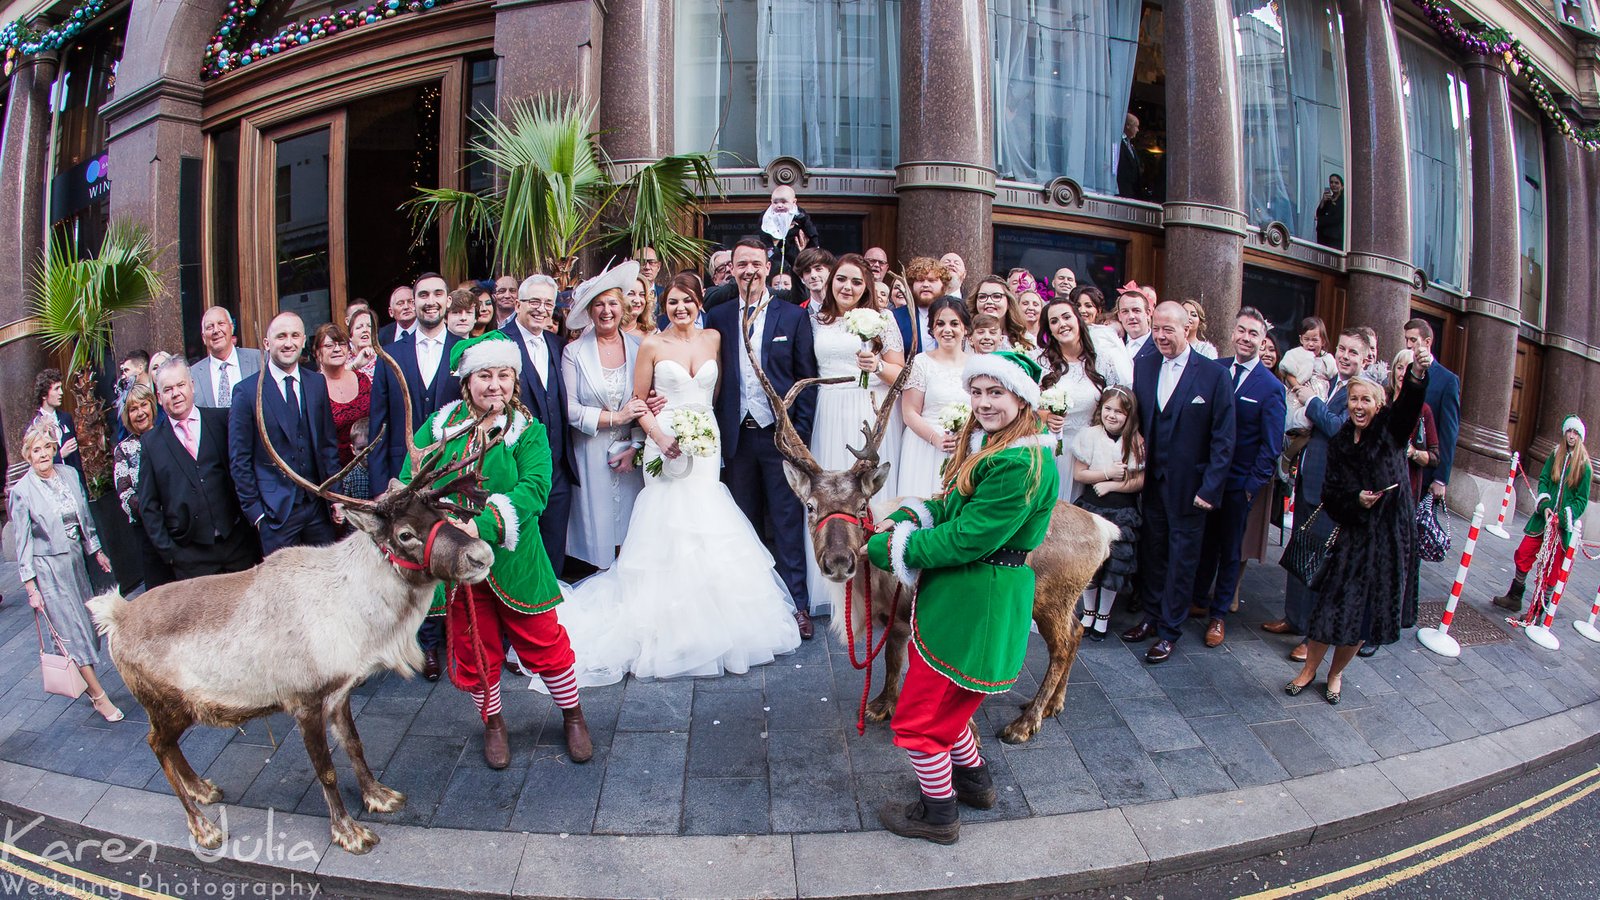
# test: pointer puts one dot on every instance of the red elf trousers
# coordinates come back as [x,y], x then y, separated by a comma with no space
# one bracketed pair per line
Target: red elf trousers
[1528,553]
[933,711]
[540,641]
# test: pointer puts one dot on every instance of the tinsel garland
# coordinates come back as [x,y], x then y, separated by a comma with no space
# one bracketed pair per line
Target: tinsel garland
[17,39]
[226,52]
[1485,40]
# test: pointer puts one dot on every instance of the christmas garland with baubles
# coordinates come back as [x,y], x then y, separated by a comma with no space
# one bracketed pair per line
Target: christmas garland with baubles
[227,50]
[18,40]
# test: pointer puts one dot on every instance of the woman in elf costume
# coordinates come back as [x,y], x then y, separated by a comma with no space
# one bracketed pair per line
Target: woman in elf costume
[1563,496]
[970,617]
[519,597]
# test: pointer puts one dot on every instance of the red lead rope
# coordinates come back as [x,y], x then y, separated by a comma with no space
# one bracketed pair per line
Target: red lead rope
[872,652]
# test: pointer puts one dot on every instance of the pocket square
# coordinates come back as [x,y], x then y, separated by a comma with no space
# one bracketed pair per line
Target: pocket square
[1198,399]
[1247,400]
[780,339]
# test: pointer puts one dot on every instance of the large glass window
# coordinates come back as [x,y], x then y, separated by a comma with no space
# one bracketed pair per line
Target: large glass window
[1284,299]
[1062,76]
[1530,215]
[814,79]
[1436,105]
[1291,100]
[302,217]
[1095,260]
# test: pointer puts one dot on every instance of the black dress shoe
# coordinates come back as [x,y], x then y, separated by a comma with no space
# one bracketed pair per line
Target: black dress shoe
[1367,651]
[1159,652]
[430,665]
[1143,631]
[807,630]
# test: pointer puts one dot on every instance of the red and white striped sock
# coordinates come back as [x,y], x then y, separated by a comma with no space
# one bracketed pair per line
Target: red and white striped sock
[965,752]
[563,688]
[488,703]
[933,774]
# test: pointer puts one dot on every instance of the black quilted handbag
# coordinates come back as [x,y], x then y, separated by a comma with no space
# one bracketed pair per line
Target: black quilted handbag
[1433,531]
[1307,553]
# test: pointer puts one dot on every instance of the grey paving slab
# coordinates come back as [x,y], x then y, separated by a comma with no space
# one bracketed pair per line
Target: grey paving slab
[1294,749]
[1532,740]
[1331,730]
[433,858]
[1053,779]
[1156,723]
[1347,800]
[1176,834]
[647,867]
[283,840]
[420,769]
[17,780]
[1192,772]
[643,790]
[480,798]
[726,806]
[1124,772]
[1244,757]
[1407,719]
[560,795]
[1445,773]
[1086,706]
[810,781]
[62,797]
[656,706]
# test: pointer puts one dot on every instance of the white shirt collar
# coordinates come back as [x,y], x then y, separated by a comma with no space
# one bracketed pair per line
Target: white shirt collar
[278,375]
[232,359]
[1249,365]
[529,335]
[760,304]
[440,337]
[1177,362]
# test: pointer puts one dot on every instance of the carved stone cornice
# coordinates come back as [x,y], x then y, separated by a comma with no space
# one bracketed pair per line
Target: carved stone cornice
[949,176]
[1207,216]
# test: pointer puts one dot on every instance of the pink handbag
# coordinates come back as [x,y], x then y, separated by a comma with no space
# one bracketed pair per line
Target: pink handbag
[61,675]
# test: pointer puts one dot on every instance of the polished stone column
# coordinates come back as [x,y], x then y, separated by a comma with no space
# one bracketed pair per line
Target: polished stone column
[945,179]
[1203,220]
[1590,407]
[1494,276]
[1569,285]
[1377,189]
[636,73]
[24,180]
[548,47]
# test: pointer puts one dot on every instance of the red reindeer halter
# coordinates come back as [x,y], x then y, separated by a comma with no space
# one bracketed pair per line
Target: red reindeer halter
[427,552]
[864,521]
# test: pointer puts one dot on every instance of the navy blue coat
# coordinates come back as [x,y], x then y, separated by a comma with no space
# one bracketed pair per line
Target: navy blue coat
[1259,412]
[1326,418]
[787,355]
[262,487]
[1444,397]
[389,411]
[1191,441]
[548,401]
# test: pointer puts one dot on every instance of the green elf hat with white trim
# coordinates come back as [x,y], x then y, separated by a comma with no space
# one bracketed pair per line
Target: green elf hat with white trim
[1017,372]
[491,350]
[1573,423]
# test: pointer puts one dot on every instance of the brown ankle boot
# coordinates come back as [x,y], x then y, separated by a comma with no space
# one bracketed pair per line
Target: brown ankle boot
[579,746]
[496,746]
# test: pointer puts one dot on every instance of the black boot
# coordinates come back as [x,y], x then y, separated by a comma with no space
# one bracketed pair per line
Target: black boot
[934,820]
[1512,599]
[974,786]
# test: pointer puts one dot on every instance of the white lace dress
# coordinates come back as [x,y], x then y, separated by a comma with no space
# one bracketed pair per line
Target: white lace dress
[920,461]
[841,411]
[1083,394]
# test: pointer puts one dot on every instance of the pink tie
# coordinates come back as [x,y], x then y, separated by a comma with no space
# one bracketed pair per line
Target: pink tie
[189,442]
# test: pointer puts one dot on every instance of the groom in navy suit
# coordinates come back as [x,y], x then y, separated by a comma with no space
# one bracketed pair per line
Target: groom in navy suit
[427,348]
[1186,411]
[752,465]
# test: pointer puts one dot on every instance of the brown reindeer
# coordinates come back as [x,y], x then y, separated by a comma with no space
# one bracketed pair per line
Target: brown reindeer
[299,631]
[837,510]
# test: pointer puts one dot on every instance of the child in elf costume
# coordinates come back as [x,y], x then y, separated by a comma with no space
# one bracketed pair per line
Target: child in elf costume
[519,597]
[1563,496]
[964,552]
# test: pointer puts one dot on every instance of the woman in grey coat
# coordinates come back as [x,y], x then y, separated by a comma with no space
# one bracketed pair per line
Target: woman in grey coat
[54,533]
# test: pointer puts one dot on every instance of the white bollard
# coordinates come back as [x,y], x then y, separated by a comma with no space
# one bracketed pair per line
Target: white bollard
[1541,634]
[1588,629]
[1498,528]
[1438,639]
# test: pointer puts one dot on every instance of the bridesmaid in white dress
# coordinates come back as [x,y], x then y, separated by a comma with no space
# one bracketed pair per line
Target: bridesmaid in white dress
[842,409]
[1073,358]
[932,388]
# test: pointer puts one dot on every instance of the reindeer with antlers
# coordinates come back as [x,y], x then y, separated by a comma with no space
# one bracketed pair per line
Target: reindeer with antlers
[302,629]
[840,517]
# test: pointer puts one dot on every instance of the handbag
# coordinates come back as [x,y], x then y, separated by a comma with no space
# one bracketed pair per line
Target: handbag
[61,675]
[1306,556]
[1433,531]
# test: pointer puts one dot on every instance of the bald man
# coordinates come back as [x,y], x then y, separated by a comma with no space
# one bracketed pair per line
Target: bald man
[299,422]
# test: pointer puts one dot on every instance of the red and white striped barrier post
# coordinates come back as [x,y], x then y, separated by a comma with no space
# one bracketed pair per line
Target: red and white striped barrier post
[1438,639]
[1588,629]
[1498,528]
[1541,634]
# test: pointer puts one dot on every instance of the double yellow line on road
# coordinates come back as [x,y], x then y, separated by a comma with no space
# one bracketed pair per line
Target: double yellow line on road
[74,882]
[1500,828]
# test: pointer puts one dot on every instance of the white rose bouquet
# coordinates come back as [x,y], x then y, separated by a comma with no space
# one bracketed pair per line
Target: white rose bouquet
[954,417]
[696,432]
[1056,402]
[866,324]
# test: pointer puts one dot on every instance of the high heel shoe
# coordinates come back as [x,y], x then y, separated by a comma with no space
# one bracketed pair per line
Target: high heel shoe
[114,716]
[1293,689]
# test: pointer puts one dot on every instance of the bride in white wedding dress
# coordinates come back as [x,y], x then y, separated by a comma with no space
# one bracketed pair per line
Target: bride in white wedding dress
[693,591]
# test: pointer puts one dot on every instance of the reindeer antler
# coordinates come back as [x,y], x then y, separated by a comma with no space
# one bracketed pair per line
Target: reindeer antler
[316,490]
[788,439]
[867,456]
[413,452]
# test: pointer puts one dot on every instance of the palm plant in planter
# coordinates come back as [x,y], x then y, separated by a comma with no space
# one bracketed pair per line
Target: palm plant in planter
[75,301]
[557,196]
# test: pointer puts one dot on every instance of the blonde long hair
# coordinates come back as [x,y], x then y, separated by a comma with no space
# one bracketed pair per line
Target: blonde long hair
[958,472]
[1573,467]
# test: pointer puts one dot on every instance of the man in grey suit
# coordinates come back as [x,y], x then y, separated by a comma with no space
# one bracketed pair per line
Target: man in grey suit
[225,365]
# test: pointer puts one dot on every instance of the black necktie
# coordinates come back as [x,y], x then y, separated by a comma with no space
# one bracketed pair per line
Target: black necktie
[292,400]
[1238,373]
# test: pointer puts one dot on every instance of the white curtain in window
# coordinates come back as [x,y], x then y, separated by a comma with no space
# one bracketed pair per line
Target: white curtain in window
[1063,72]
[1530,215]
[1316,79]
[827,82]
[1435,118]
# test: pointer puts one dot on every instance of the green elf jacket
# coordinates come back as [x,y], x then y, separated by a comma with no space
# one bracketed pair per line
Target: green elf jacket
[1574,500]
[516,473]
[970,619]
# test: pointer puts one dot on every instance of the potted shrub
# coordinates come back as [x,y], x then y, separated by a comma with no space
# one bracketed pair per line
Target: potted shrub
[76,300]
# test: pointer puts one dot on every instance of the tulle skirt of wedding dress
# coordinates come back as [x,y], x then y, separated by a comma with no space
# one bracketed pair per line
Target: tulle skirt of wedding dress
[693,592]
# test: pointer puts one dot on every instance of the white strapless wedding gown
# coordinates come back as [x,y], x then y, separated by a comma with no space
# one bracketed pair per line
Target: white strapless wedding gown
[694,591]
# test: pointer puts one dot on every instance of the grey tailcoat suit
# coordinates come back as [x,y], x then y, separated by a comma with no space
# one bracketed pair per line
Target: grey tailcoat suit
[205,393]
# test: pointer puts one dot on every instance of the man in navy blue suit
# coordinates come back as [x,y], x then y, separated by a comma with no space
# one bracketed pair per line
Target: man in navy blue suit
[1444,397]
[1135,304]
[1326,417]
[1186,410]
[424,359]
[1258,424]
[545,395]
[752,465]
[299,422]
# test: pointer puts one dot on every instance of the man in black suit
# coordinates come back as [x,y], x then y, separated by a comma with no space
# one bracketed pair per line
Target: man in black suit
[1186,411]
[1129,170]
[187,501]
[300,425]
[752,465]
[545,395]
[425,361]
[403,310]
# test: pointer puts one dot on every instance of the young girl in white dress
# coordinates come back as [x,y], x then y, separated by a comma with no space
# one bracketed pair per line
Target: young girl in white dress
[1073,358]
[1108,460]
[933,387]
[842,409]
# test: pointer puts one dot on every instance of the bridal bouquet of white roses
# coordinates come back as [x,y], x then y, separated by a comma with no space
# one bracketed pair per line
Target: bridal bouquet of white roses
[866,324]
[954,417]
[696,432]
[1056,401]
